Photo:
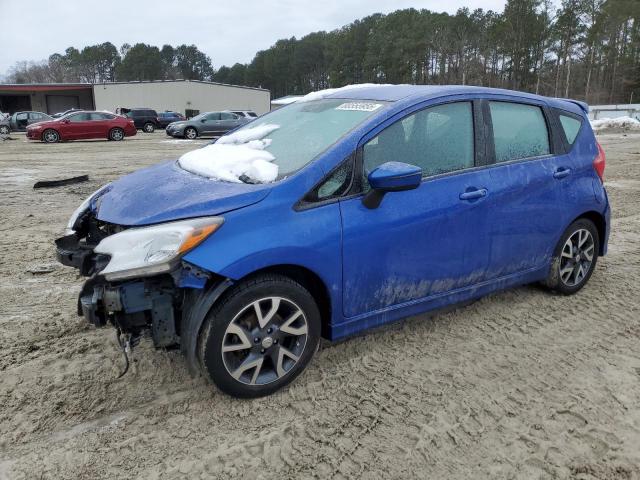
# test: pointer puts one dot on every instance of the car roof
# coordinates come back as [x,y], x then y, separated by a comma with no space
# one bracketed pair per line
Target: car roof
[417,93]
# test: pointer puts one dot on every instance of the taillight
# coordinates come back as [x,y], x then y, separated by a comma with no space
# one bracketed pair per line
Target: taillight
[599,162]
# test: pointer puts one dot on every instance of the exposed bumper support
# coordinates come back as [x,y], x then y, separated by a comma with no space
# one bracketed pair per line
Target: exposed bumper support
[133,307]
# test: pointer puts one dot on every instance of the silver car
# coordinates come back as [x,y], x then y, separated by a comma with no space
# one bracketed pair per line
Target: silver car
[206,124]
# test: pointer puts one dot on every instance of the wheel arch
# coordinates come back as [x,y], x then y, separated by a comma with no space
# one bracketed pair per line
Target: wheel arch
[124,133]
[50,128]
[190,126]
[309,280]
[601,225]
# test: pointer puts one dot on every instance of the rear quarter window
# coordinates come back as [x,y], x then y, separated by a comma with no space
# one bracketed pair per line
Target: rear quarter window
[571,125]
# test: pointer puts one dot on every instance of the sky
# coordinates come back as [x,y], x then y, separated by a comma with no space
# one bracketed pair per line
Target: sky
[227,31]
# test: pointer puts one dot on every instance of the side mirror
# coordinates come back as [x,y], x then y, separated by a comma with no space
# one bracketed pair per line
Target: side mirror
[66,120]
[203,120]
[391,177]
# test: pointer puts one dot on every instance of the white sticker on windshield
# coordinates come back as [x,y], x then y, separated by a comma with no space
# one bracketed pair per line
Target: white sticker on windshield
[359,106]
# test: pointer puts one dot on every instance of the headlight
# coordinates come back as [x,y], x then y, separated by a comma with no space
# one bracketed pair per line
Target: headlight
[145,251]
[84,206]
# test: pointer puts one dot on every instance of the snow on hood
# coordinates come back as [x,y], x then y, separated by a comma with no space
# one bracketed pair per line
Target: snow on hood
[625,123]
[235,156]
[320,94]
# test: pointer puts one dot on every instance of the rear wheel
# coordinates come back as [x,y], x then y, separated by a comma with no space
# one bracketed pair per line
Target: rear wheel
[149,127]
[260,336]
[190,133]
[50,136]
[574,258]
[116,134]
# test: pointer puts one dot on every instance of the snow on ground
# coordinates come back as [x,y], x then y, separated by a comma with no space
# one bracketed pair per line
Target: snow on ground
[240,154]
[625,123]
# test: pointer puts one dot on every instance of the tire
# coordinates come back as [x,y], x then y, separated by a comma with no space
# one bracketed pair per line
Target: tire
[149,127]
[571,267]
[5,130]
[248,356]
[116,134]
[50,136]
[190,133]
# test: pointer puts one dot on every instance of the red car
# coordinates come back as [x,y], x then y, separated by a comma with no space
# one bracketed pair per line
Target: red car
[82,126]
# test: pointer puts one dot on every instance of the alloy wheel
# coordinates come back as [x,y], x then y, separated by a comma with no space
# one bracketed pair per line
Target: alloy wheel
[4,130]
[117,134]
[190,133]
[264,341]
[577,257]
[51,136]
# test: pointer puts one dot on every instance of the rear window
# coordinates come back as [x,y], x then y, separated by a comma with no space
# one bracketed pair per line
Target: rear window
[519,131]
[571,126]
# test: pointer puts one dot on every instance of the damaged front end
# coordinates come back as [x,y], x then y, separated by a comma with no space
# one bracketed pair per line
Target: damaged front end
[137,279]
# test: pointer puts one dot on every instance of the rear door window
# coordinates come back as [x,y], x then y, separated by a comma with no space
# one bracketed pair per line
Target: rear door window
[571,126]
[519,131]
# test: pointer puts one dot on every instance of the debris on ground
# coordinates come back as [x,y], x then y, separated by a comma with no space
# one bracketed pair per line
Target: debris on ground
[62,182]
[42,269]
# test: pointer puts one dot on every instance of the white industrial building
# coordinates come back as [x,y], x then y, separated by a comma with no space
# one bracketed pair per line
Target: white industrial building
[183,96]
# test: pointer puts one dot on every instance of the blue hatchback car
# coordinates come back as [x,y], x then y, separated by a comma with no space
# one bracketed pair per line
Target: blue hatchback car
[388,201]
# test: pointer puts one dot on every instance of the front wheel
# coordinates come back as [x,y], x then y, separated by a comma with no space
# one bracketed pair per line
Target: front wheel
[4,130]
[149,127]
[574,258]
[50,136]
[260,336]
[190,133]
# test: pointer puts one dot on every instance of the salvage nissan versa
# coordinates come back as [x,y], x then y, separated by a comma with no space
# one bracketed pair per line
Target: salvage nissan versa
[343,211]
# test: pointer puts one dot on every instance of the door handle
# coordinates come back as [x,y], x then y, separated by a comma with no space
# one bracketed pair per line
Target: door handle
[562,172]
[473,194]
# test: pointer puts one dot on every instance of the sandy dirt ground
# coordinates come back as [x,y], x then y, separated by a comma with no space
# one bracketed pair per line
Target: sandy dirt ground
[522,384]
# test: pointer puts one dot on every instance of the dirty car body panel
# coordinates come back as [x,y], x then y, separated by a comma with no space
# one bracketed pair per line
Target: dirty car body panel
[461,234]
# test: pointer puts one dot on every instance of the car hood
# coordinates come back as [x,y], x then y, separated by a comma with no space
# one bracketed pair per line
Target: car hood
[165,192]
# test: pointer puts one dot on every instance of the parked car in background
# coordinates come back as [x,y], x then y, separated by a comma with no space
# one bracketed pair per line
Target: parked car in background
[83,126]
[5,126]
[355,208]
[66,112]
[145,119]
[165,118]
[206,124]
[20,120]
[246,113]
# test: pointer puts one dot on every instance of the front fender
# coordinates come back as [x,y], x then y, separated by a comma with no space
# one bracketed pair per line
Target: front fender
[256,238]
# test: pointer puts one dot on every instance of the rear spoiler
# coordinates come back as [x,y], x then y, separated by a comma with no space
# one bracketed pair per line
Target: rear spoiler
[583,105]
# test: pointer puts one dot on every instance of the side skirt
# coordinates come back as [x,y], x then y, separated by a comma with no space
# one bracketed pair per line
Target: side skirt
[394,313]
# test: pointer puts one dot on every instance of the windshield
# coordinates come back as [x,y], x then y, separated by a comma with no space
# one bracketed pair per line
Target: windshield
[306,129]
[199,117]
